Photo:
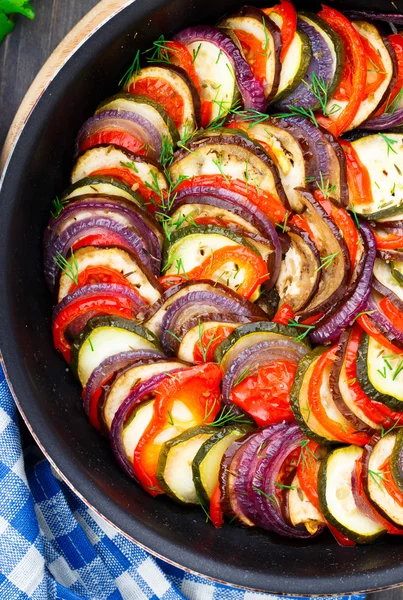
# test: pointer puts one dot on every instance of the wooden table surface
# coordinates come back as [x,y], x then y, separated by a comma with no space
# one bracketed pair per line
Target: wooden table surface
[21,56]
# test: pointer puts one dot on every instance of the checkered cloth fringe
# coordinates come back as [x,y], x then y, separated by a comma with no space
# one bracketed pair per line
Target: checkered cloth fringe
[52,546]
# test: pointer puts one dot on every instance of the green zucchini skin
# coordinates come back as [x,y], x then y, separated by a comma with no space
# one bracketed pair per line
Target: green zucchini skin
[395,462]
[164,452]
[107,321]
[258,327]
[226,431]
[145,100]
[322,484]
[201,230]
[396,274]
[302,368]
[302,69]
[103,179]
[365,383]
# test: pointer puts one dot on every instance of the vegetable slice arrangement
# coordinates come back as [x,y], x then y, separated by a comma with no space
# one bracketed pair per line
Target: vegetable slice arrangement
[228,271]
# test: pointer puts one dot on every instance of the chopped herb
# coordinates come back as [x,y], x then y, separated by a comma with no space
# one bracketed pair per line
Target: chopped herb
[307,410]
[394,426]
[167,152]
[326,261]
[204,350]
[58,206]
[218,57]
[325,188]
[131,72]
[364,312]
[159,51]
[218,164]
[273,499]
[389,142]
[301,112]
[392,106]
[170,419]
[266,37]
[388,363]
[376,68]
[229,416]
[91,344]
[195,53]
[398,370]
[352,381]
[306,455]
[242,376]
[307,328]
[130,165]
[285,487]
[179,266]
[254,116]
[383,373]
[283,225]
[377,477]
[355,215]
[206,512]
[69,267]
[320,89]
[172,334]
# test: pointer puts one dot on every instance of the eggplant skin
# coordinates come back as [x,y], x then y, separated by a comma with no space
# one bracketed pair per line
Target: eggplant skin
[305,278]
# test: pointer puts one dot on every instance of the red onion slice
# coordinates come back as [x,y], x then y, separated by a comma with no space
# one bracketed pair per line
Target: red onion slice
[251,89]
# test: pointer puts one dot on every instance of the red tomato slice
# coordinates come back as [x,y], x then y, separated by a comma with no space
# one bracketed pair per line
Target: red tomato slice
[391,241]
[253,266]
[284,315]
[216,514]
[344,222]
[119,138]
[396,41]
[371,329]
[289,26]
[151,200]
[209,341]
[198,388]
[254,53]
[101,274]
[359,181]
[266,396]
[160,91]
[98,239]
[389,483]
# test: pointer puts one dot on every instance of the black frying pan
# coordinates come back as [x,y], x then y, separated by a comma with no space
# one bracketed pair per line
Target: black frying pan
[46,391]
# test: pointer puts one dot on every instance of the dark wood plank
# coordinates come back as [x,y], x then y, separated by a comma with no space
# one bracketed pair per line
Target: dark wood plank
[23,52]
[22,55]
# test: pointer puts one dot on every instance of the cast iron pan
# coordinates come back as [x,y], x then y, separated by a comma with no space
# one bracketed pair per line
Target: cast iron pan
[49,396]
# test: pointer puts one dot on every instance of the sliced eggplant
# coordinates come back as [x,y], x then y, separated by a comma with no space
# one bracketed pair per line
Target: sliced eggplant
[207,462]
[299,401]
[234,156]
[109,157]
[368,107]
[145,107]
[300,271]
[174,470]
[374,479]
[104,336]
[380,373]
[104,186]
[178,91]
[125,263]
[115,393]
[335,260]
[252,21]
[382,155]
[336,497]
[301,511]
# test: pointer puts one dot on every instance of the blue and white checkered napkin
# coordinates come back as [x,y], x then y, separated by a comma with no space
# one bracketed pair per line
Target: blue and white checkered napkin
[53,547]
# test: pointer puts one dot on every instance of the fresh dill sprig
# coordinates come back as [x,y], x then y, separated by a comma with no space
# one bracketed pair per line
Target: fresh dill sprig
[242,376]
[227,415]
[69,267]
[159,51]
[320,89]
[206,512]
[254,116]
[58,206]
[195,53]
[364,312]
[300,112]
[306,456]
[307,329]
[131,72]
[219,164]
[129,165]
[391,107]
[377,477]
[91,344]
[394,426]
[204,350]
[325,187]
[282,486]
[172,334]
[170,419]
[389,142]
[167,151]
[326,261]
[351,207]
[180,266]
[398,370]
[273,499]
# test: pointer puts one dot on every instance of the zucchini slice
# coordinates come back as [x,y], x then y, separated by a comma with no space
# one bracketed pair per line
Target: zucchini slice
[135,426]
[179,88]
[105,157]
[250,334]
[136,274]
[375,487]
[124,383]
[174,470]
[396,462]
[382,155]
[368,106]
[103,337]
[145,107]
[336,497]
[299,400]
[253,21]
[186,214]
[206,464]
[104,186]
[231,155]
[301,511]
[384,274]
[396,268]
[191,338]
[379,373]
[295,64]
